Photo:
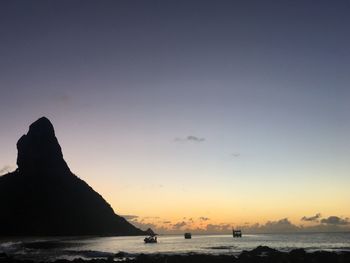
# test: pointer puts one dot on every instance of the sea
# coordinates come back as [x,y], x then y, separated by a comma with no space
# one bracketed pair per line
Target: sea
[50,249]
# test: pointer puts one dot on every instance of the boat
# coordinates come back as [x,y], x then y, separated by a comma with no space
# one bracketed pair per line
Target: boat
[236,233]
[151,239]
[188,235]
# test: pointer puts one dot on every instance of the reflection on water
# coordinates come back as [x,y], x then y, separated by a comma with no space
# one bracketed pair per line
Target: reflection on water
[53,248]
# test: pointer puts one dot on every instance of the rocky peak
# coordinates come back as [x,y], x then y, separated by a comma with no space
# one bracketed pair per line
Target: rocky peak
[39,151]
[42,127]
[44,198]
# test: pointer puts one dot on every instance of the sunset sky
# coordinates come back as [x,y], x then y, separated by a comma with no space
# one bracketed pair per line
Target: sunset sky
[189,114]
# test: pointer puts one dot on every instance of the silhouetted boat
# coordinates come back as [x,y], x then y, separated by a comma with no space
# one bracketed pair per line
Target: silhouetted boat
[188,235]
[151,239]
[236,233]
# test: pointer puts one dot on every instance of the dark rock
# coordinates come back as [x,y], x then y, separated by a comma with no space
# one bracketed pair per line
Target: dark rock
[4,258]
[62,261]
[325,256]
[110,259]
[3,255]
[262,254]
[262,250]
[43,197]
[188,258]
[272,257]
[120,254]
[298,255]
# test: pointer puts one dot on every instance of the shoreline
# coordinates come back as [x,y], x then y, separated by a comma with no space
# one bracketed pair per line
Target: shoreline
[259,254]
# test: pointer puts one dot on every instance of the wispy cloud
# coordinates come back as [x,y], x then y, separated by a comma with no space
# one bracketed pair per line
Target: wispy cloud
[151,217]
[130,217]
[190,138]
[64,98]
[179,225]
[314,218]
[218,228]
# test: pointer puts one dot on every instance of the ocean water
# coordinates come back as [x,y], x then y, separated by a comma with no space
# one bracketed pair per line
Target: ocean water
[93,247]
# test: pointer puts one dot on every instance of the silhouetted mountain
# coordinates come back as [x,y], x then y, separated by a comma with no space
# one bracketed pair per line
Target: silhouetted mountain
[43,197]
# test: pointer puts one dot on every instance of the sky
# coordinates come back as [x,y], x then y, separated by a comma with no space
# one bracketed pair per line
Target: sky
[200,115]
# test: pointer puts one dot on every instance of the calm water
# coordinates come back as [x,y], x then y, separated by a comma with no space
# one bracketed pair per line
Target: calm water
[53,248]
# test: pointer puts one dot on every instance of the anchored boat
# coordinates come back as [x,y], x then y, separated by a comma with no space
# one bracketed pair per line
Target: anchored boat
[188,235]
[236,233]
[151,239]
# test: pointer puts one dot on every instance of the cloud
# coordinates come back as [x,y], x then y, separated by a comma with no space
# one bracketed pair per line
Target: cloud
[311,218]
[190,138]
[145,226]
[195,139]
[62,98]
[283,225]
[218,228]
[279,226]
[335,221]
[203,225]
[235,154]
[330,224]
[152,222]
[284,221]
[179,225]
[5,169]
[130,217]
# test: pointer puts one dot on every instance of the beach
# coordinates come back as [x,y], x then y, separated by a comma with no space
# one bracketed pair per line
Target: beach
[311,247]
[260,254]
